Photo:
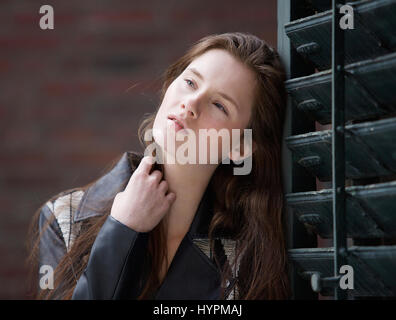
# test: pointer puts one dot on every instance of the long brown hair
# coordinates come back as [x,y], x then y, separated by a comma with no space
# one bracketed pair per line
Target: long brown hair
[250,206]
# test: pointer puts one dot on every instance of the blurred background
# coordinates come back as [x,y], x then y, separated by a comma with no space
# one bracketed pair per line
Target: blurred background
[71,98]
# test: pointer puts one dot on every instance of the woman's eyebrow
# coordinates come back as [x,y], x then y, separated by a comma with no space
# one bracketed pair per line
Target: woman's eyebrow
[193,70]
[225,96]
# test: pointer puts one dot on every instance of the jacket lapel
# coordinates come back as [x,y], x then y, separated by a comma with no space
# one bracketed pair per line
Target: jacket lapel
[191,275]
[105,188]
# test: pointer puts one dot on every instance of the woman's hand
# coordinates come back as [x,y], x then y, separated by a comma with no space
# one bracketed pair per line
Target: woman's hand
[144,202]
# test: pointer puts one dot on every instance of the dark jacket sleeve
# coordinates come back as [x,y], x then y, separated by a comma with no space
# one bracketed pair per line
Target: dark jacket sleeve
[115,265]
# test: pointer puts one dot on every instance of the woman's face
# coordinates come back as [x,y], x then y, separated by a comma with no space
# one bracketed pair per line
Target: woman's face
[215,91]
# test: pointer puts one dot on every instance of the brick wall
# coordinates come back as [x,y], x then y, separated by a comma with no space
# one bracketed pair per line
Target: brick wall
[65,107]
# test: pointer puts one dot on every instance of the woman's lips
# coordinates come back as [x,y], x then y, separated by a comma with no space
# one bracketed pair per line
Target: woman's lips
[177,125]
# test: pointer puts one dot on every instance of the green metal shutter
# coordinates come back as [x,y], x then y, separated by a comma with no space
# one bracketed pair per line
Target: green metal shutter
[359,197]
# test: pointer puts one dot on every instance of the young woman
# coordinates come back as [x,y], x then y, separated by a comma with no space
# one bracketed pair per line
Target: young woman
[147,230]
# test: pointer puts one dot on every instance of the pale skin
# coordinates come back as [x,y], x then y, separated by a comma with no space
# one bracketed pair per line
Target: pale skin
[175,196]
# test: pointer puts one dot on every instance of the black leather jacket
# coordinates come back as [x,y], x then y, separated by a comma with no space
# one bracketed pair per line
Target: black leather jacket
[118,264]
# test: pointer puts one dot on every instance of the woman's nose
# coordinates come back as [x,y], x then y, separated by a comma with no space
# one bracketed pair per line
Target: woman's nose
[190,109]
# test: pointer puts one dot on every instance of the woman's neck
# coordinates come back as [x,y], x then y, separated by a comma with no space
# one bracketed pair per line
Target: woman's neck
[188,182]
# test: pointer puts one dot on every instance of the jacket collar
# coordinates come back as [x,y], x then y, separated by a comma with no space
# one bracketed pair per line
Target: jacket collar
[116,180]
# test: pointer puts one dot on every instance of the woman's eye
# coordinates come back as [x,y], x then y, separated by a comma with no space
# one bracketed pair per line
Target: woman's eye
[189,82]
[220,107]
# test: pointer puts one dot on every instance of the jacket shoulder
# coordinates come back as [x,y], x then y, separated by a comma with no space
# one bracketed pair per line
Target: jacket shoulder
[63,207]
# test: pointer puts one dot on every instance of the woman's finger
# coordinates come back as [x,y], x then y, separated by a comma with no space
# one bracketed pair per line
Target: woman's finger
[157,175]
[145,164]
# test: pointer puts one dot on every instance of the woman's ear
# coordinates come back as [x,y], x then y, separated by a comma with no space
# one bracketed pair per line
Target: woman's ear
[242,151]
